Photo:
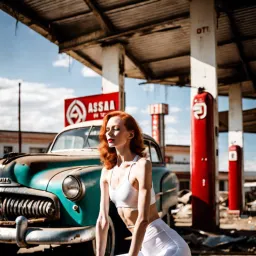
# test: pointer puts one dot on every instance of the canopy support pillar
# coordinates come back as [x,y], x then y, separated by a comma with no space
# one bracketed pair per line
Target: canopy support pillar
[113,71]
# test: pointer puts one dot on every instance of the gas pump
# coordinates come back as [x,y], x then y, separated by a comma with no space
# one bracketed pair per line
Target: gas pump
[203,162]
[235,185]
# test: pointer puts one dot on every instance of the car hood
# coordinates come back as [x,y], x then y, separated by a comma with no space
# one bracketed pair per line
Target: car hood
[36,171]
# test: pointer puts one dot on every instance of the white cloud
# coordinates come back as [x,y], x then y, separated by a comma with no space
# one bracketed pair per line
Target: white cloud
[131,110]
[250,164]
[138,81]
[174,110]
[42,106]
[170,131]
[145,110]
[170,120]
[145,126]
[148,87]
[223,161]
[63,61]
[173,136]
[32,32]
[87,72]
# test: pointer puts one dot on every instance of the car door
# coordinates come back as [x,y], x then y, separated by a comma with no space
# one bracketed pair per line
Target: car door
[158,170]
[164,180]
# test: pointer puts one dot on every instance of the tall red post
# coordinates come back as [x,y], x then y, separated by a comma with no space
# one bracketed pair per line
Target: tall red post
[235,178]
[203,163]
[158,111]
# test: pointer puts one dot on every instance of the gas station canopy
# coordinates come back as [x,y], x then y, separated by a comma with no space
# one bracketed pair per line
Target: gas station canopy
[154,33]
[249,121]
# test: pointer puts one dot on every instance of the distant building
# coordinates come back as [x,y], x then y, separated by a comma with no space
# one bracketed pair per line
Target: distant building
[32,142]
[177,158]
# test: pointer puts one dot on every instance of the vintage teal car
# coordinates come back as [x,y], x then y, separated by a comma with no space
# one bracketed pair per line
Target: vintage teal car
[53,198]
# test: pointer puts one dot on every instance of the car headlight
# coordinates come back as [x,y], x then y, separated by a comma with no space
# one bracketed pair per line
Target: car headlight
[72,188]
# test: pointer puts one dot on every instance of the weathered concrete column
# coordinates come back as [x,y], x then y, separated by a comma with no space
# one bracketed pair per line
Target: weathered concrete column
[205,214]
[113,71]
[235,137]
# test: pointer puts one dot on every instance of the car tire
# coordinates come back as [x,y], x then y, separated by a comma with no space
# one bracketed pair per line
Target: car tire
[12,249]
[122,234]
[116,243]
[168,218]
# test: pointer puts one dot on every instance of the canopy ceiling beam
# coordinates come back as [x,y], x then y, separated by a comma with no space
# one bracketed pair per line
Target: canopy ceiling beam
[143,69]
[112,9]
[99,37]
[182,78]
[86,60]
[70,17]
[237,39]
[129,5]
[249,123]
[234,5]
[109,28]
[20,12]
[187,53]
[105,23]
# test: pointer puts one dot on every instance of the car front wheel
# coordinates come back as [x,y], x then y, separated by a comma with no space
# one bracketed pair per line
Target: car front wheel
[12,249]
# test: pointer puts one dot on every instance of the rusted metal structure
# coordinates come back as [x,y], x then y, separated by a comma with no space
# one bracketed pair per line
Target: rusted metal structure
[207,44]
[154,33]
[249,121]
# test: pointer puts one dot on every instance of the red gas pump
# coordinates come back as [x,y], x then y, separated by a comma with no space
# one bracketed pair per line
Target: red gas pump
[203,162]
[235,184]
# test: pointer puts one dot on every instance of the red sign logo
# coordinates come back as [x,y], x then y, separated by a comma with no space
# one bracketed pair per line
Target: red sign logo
[90,107]
[200,110]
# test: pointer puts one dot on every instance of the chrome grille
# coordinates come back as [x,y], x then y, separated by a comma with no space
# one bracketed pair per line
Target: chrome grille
[28,207]
[28,202]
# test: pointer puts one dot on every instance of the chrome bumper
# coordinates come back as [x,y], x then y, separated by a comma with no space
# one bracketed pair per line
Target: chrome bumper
[23,235]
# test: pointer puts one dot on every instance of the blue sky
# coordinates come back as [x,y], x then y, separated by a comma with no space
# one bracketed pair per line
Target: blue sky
[48,78]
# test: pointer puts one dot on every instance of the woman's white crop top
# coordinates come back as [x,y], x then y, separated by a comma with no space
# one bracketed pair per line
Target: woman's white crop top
[125,195]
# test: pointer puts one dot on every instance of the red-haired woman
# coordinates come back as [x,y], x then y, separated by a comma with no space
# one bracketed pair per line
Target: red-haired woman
[127,180]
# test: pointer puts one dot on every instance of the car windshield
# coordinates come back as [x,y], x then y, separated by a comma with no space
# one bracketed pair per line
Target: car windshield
[80,138]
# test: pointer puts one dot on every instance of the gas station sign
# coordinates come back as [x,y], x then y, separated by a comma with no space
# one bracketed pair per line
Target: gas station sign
[89,108]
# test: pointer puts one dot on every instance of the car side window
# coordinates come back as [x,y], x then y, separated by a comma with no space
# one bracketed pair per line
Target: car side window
[93,138]
[146,150]
[154,154]
[69,142]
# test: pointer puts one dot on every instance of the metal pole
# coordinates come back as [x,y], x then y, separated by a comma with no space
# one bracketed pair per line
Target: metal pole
[19,120]
[162,135]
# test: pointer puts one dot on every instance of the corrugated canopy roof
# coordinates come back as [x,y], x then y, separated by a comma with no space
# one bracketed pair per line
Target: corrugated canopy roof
[249,121]
[155,34]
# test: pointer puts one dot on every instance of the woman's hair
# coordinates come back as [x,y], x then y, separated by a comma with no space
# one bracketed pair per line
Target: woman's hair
[108,155]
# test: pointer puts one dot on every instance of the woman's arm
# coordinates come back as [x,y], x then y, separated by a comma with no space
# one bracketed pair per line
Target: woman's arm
[102,224]
[144,177]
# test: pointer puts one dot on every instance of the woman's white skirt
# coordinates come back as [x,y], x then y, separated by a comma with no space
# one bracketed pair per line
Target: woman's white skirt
[161,240]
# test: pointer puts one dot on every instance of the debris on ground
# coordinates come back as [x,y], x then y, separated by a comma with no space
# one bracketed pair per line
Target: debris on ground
[237,231]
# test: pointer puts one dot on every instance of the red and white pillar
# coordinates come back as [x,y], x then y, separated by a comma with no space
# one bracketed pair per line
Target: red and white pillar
[235,139]
[204,74]
[158,111]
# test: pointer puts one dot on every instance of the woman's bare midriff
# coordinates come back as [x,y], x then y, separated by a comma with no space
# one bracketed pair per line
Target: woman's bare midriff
[130,215]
